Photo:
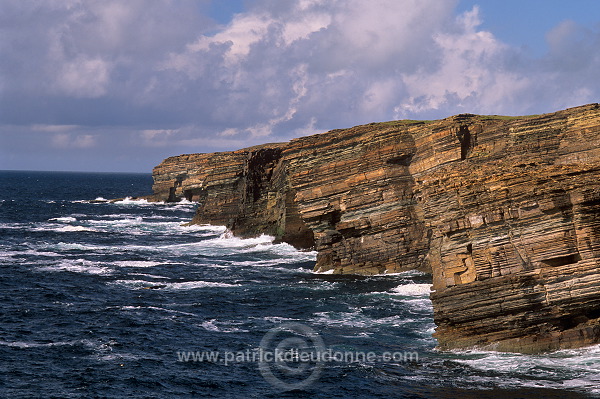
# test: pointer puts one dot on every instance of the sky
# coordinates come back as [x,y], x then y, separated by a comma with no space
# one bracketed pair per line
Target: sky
[119,85]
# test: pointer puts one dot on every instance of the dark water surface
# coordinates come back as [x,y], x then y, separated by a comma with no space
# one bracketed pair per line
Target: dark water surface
[108,299]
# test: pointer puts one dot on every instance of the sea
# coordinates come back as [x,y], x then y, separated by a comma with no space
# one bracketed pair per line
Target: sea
[125,299]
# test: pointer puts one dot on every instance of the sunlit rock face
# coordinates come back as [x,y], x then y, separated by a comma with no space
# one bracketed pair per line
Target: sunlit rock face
[503,211]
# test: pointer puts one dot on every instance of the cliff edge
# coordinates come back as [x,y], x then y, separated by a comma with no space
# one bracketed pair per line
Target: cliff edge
[503,211]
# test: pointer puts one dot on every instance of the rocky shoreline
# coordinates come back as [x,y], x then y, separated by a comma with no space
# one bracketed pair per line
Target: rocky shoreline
[503,211]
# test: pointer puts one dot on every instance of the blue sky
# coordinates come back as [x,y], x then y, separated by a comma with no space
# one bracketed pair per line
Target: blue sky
[119,85]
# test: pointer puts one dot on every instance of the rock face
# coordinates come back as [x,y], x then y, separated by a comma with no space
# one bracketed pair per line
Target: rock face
[503,211]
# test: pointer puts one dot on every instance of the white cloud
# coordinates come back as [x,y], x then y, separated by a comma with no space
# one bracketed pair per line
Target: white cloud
[239,36]
[79,141]
[53,128]
[84,77]
[61,140]
[159,137]
[84,141]
[466,75]
[165,74]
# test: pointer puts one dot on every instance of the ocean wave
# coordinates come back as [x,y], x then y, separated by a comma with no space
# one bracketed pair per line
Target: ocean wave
[68,229]
[407,273]
[155,276]
[127,221]
[276,263]
[228,240]
[184,204]
[60,228]
[419,305]
[214,325]
[190,285]
[138,225]
[73,246]
[136,263]
[78,266]
[184,285]
[65,219]
[33,344]
[29,252]
[14,226]
[222,245]
[355,319]
[574,368]
[330,271]
[228,244]
[278,319]
[136,201]
[412,290]
[157,308]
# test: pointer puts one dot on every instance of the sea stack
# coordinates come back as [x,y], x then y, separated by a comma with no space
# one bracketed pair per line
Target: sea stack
[503,211]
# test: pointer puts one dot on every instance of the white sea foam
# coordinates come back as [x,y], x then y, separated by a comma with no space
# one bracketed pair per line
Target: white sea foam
[13,226]
[275,264]
[137,308]
[330,271]
[277,319]
[66,219]
[127,221]
[354,319]
[214,325]
[32,252]
[222,245]
[30,344]
[60,228]
[68,229]
[578,368]
[115,216]
[294,270]
[78,266]
[103,249]
[227,244]
[137,225]
[412,290]
[130,200]
[359,335]
[189,285]
[136,263]
[183,205]
[408,273]
[227,240]
[185,285]
[69,246]
[149,275]
[418,304]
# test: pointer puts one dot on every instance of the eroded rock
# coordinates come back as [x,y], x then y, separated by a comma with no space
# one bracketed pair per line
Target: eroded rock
[504,212]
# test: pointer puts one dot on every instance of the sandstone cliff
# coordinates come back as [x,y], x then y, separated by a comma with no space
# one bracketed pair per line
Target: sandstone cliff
[504,211]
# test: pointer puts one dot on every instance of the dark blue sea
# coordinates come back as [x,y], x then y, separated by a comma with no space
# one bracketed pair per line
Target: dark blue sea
[124,300]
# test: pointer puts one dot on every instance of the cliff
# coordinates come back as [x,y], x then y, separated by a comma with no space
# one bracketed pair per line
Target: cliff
[503,211]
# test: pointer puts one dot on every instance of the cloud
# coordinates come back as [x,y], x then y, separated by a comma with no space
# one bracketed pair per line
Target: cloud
[336,61]
[84,77]
[469,76]
[159,137]
[53,128]
[161,76]
[80,141]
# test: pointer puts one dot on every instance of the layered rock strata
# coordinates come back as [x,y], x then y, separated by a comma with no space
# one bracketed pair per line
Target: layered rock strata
[503,211]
